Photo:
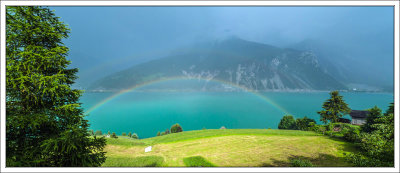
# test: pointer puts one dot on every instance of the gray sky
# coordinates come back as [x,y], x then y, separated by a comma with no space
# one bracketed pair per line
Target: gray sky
[115,38]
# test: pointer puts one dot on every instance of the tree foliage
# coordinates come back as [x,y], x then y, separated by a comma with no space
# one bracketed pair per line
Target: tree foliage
[378,145]
[287,122]
[135,136]
[114,135]
[45,124]
[304,123]
[98,133]
[334,108]
[372,117]
[176,128]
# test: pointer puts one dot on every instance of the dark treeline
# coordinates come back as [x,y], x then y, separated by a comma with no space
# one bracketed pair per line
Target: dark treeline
[374,138]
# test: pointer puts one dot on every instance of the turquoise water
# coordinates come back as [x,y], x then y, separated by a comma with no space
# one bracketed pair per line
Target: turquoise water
[146,113]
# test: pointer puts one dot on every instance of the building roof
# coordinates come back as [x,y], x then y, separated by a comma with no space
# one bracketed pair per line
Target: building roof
[358,114]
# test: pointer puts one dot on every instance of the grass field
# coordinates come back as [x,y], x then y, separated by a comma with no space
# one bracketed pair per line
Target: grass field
[228,148]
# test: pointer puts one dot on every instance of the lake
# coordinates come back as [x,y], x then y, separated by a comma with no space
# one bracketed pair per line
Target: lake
[146,113]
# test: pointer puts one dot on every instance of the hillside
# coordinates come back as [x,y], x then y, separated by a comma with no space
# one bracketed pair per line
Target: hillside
[228,148]
[252,65]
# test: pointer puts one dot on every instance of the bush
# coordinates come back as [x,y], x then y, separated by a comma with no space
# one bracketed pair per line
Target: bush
[197,161]
[158,133]
[123,134]
[377,147]
[300,163]
[98,133]
[372,117]
[304,123]
[351,134]
[176,128]
[287,122]
[114,135]
[162,133]
[130,134]
[90,132]
[167,132]
[135,136]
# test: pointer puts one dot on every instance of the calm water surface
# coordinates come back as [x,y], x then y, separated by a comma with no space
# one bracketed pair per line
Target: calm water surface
[146,113]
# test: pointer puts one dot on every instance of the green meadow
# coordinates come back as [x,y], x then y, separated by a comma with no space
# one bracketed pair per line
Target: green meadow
[229,148]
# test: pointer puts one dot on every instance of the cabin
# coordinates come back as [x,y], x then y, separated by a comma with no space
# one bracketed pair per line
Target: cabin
[358,117]
[344,120]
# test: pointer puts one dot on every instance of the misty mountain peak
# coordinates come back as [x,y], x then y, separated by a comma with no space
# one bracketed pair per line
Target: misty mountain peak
[248,64]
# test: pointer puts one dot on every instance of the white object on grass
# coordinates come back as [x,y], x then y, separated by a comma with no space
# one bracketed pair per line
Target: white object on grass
[147,149]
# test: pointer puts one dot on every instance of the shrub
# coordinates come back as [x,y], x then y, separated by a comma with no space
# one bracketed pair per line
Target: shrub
[176,128]
[130,134]
[98,133]
[313,127]
[162,133]
[90,132]
[304,123]
[287,122]
[109,133]
[197,161]
[135,136]
[114,135]
[372,117]
[351,134]
[123,134]
[377,147]
[158,133]
[300,163]
[167,131]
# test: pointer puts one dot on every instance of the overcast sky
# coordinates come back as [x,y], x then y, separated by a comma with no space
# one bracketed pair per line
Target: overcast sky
[122,36]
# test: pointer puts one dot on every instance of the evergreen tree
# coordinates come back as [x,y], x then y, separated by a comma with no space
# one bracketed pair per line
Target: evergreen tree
[390,110]
[44,122]
[373,115]
[334,108]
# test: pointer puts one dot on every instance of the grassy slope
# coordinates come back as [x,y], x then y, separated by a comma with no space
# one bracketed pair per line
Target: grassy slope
[230,147]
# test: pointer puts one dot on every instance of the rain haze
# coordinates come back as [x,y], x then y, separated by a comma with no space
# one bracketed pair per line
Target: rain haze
[105,40]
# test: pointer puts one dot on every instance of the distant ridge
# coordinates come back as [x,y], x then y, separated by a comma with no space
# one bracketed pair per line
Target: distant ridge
[252,65]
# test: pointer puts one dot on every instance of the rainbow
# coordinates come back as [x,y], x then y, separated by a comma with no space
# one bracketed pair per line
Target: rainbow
[122,92]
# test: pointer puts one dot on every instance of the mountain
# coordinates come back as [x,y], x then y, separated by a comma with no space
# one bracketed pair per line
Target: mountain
[252,65]
[344,64]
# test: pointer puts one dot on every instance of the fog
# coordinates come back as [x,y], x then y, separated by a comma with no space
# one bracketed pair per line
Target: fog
[104,40]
